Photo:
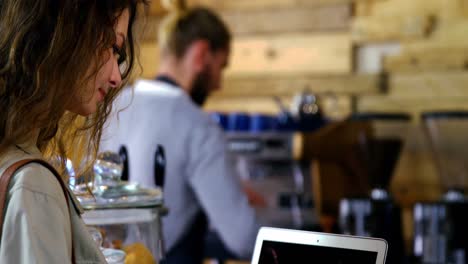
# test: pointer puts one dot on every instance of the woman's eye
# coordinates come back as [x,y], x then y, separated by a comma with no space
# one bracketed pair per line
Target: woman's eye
[119,53]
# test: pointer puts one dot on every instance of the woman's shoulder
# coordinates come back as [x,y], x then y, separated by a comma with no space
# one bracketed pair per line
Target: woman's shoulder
[36,178]
[32,177]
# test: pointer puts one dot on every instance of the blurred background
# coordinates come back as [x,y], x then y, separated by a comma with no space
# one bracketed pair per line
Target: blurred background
[346,57]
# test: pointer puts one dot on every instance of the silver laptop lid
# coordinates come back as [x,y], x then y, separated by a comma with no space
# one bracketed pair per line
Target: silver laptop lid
[279,246]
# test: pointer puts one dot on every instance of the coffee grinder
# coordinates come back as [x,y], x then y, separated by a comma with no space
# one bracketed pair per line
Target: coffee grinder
[441,227]
[377,215]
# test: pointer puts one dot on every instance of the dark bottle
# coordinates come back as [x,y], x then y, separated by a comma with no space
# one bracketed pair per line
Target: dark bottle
[124,157]
[159,166]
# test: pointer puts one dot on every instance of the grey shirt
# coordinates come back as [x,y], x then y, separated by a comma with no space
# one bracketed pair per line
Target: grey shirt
[199,172]
[37,226]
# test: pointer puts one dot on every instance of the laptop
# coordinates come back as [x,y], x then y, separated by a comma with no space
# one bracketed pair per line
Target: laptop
[282,246]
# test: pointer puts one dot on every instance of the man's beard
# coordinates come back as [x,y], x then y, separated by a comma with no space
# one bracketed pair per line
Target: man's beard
[200,88]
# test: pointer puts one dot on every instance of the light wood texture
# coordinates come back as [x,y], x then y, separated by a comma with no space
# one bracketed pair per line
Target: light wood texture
[404,20]
[289,85]
[251,104]
[322,18]
[445,50]
[445,59]
[363,8]
[149,59]
[291,53]
[379,29]
[414,106]
[149,27]
[431,85]
[242,5]
[449,33]
[415,93]
[389,8]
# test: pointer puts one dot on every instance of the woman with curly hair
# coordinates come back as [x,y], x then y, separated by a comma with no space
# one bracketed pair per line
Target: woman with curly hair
[62,62]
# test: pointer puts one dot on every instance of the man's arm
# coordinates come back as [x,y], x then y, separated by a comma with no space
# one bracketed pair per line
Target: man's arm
[220,192]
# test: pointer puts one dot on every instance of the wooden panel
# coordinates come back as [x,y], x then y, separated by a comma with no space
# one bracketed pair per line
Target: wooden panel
[428,60]
[446,50]
[363,8]
[274,84]
[149,28]
[321,18]
[402,19]
[291,53]
[390,8]
[327,17]
[398,7]
[377,29]
[149,59]
[252,104]
[413,105]
[293,84]
[464,8]
[450,33]
[243,5]
[429,85]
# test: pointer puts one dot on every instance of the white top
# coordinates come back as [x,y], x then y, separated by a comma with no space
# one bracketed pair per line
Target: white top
[199,172]
[38,226]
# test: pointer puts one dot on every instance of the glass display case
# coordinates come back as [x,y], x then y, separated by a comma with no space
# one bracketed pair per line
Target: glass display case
[127,215]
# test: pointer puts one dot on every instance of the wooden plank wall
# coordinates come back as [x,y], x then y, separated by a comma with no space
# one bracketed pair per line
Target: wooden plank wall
[282,47]
[293,44]
[286,46]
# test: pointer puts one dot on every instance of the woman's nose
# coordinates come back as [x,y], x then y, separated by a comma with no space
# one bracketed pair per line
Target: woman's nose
[116,77]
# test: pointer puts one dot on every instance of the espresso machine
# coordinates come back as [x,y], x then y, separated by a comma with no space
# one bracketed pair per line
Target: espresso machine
[266,161]
[261,147]
[441,227]
[377,214]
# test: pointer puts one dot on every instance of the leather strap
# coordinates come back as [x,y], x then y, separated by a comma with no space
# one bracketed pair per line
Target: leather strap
[5,181]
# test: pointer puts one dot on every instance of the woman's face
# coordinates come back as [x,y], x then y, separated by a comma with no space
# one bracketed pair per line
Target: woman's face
[108,76]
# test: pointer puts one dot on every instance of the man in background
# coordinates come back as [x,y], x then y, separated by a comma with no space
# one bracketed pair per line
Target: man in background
[201,185]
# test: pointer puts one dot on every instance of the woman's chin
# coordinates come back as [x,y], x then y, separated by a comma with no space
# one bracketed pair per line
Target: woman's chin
[84,110]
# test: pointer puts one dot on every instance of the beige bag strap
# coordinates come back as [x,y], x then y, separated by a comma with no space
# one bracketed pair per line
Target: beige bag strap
[8,175]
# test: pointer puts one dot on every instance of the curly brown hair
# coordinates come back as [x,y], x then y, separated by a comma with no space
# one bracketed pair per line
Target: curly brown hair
[47,50]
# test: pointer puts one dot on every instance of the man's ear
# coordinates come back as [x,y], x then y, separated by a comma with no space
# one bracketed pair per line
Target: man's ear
[199,53]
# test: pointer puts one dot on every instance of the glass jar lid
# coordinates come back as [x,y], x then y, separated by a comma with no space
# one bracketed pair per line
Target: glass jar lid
[108,191]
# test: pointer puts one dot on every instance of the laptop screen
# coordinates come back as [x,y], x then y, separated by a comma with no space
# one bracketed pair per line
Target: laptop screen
[274,252]
[281,246]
